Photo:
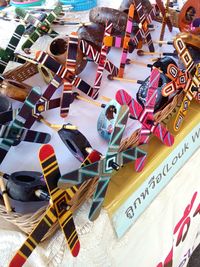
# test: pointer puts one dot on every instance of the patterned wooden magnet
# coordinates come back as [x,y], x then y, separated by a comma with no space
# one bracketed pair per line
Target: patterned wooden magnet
[23,134]
[144,21]
[61,73]
[102,62]
[40,106]
[100,58]
[30,26]
[92,53]
[70,64]
[128,43]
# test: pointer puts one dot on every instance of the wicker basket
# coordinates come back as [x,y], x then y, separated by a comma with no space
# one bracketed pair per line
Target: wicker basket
[27,222]
[21,73]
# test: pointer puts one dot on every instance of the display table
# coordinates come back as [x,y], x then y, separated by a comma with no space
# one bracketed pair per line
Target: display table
[154,234]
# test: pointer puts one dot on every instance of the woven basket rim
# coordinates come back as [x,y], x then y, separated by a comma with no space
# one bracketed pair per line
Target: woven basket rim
[27,222]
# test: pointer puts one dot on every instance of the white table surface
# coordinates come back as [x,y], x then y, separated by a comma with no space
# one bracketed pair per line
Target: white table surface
[99,246]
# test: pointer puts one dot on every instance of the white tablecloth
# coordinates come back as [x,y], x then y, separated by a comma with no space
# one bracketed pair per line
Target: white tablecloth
[149,240]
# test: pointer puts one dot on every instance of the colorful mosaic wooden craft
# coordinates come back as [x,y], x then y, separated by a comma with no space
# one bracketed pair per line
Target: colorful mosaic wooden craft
[61,74]
[102,62]
[92,53]
[144,21]
[64,74]
[126,41]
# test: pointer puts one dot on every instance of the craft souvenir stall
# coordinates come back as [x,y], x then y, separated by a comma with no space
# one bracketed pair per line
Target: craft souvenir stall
[150,218]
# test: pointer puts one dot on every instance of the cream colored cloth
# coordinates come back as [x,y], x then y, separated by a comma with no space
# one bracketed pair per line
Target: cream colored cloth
[99,246]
